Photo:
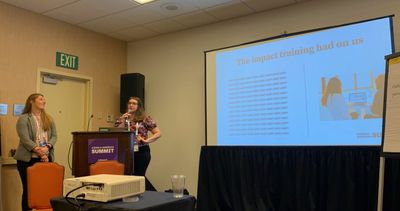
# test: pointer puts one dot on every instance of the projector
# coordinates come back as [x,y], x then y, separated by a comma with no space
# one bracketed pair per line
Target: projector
[105,187]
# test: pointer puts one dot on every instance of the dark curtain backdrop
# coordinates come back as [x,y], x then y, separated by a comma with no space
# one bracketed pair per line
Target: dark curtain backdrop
[294,179]
[391,193]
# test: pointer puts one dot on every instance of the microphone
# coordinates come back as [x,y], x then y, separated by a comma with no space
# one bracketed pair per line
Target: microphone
[128,115]
[128,123]
[88,124]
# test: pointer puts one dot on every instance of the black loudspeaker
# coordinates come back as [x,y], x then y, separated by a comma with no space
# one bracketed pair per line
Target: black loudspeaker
[132,85]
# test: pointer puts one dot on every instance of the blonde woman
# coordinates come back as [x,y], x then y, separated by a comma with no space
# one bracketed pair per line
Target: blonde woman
[37,136]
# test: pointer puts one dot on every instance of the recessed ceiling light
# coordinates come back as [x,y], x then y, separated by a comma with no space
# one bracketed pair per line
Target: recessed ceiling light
[142,1]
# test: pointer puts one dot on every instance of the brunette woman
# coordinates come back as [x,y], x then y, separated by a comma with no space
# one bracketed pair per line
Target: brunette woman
[136,120]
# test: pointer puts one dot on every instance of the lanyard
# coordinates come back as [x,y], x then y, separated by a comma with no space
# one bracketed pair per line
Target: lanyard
[39,130]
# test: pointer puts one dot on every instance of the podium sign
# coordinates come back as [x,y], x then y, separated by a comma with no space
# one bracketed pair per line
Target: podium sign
[102,149]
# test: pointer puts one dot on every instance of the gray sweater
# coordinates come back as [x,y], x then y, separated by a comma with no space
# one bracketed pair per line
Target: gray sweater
[26,129]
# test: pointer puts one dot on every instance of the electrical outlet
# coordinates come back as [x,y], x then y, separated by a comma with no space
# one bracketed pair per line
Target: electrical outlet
[110,118]
[99,116]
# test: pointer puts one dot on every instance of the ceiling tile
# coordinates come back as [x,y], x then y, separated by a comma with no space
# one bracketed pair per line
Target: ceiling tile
[209,3]
[38,6]
[195,19]
[141,15]
[74,13]
[108,23]
[64,17]
[120,36]
[165,26]
[230,10]
[136,32]
[109,7]
[261,5]
[86,10]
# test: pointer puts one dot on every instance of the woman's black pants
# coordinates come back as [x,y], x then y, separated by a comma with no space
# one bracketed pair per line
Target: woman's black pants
[141,162]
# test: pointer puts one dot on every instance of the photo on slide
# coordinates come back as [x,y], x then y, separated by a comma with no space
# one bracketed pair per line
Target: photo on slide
[346,99]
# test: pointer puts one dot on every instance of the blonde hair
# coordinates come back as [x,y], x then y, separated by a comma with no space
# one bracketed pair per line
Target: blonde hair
[44,117]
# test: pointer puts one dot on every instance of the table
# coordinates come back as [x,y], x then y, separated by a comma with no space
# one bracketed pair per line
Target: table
[149,201]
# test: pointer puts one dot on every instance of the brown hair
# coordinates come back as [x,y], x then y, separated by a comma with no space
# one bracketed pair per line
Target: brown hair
[334,87]
[140,113]
[45,118]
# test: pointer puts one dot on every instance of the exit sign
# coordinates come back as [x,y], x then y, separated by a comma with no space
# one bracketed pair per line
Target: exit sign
[67,61]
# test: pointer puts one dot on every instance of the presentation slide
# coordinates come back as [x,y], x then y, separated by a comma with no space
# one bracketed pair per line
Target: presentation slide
[319,88]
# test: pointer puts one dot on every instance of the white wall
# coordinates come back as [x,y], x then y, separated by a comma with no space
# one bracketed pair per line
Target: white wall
[174,68]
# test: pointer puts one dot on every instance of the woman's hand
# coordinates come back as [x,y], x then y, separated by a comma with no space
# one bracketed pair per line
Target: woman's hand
[45,150]
[44,158]
[126,115]
[39,151]
[140,139]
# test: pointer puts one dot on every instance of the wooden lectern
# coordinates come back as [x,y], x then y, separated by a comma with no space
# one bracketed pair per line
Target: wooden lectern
[88,147]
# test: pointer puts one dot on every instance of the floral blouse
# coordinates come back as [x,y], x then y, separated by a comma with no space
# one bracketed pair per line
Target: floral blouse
[142,127]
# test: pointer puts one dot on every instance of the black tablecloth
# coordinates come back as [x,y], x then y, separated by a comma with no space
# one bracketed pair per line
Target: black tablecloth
[288,178]
[149,201]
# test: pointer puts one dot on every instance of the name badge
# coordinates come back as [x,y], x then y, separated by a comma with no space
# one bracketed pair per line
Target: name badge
[135,147]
